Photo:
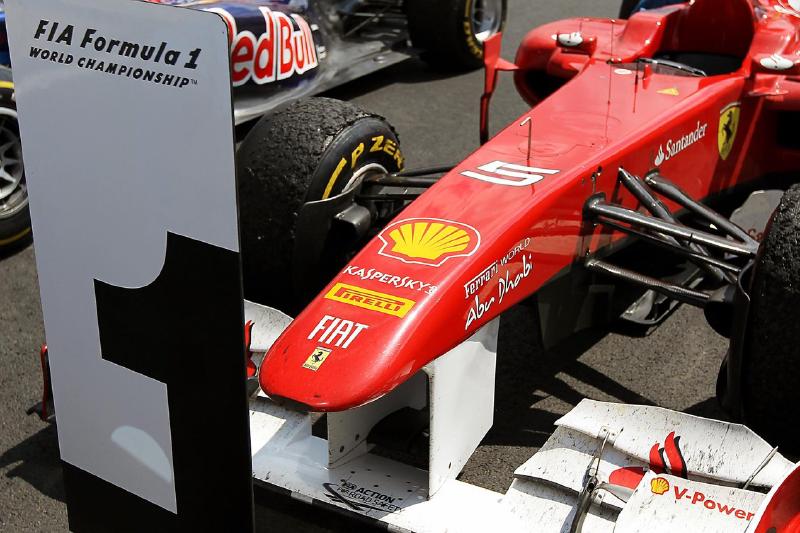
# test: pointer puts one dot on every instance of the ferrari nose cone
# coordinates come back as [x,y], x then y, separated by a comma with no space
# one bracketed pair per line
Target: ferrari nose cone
[317,379]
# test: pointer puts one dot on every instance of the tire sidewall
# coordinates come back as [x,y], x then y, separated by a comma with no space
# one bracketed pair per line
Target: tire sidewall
[369,141]
[304,151]
[444,31]
[472,45]
[16,229]
[771,357]
[627,7]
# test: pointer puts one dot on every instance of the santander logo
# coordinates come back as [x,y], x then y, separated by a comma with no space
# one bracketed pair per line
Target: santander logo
[660,157]
[676,146]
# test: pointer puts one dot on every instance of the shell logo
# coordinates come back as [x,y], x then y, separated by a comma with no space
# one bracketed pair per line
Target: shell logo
[659,485]
[428,241]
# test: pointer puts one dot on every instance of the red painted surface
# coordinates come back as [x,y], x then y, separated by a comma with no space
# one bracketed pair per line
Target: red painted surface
[781,514]
[604,117]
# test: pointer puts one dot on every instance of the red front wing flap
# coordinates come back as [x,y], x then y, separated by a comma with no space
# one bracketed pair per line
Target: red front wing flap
[780,512]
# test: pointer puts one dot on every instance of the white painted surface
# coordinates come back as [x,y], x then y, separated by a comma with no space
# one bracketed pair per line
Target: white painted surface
[112,164]
[461,403]
[348,430]
[725,452]
[542,497]
[755,213]
[268,325]
[687,506]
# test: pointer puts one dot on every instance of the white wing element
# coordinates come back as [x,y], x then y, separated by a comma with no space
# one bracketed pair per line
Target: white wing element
[658,470]
[714,450]
[666,504]
[268,324]
[564,460]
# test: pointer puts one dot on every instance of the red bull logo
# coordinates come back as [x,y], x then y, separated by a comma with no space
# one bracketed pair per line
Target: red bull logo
[285,49]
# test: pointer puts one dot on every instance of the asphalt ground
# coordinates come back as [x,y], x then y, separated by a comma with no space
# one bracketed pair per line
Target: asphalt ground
[436,116]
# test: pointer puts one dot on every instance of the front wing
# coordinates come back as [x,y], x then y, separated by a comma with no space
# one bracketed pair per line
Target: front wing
[607,467]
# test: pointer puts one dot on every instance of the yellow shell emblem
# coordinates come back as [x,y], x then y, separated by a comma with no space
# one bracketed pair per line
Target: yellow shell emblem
[728,127]
[659,485]
[428,241]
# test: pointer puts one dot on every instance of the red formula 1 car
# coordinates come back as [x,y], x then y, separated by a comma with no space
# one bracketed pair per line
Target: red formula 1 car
[633,123]
[636,127]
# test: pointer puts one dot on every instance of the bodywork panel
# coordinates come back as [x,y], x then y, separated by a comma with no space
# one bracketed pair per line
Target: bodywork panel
[282,50]
[510,217]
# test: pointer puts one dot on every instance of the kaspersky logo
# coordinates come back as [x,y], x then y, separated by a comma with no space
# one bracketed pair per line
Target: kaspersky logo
[372,300]
[676,146]
[428,241]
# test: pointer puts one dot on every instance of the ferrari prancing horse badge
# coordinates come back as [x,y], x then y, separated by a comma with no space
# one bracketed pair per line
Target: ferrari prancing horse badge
[728,126]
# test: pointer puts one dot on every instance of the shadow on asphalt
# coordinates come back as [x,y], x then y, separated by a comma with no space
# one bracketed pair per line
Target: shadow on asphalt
[37,463]
[408,72]
[708,408]
[14,249]
[528,374]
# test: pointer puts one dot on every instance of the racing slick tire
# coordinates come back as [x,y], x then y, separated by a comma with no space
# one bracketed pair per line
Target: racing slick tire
[627,7]
[15,219]
[451,32]
[771,365]
[312,149]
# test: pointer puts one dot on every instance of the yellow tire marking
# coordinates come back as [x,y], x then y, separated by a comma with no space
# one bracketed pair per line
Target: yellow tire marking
[6,85]
[356,154]
[16,237]
[333,179]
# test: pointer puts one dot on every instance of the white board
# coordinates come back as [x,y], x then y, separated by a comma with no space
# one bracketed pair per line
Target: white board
[125,116]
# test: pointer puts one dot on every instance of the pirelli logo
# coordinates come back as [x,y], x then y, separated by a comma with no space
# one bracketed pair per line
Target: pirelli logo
[372,300]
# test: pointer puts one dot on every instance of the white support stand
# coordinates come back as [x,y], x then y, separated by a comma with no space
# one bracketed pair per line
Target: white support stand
[461,403]
[459,391]
[348,430]
[457,388]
